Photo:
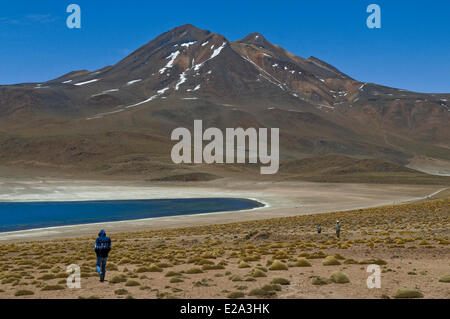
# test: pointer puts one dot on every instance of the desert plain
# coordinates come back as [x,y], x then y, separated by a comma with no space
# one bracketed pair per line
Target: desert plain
[270,252]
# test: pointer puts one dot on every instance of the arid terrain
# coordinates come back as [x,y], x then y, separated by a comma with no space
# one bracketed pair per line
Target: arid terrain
[374,157]
[273,258]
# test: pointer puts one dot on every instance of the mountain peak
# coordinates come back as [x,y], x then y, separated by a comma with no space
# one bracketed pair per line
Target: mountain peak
[186,31]
[254,38]
[187,27]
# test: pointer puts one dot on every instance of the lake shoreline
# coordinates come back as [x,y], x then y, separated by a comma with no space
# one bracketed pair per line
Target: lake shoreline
[280,199]
[49,215]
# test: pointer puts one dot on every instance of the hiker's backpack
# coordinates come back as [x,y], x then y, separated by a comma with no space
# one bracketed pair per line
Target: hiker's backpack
[103,244]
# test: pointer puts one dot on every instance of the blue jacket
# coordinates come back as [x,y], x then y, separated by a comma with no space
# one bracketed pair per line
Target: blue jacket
[102,244]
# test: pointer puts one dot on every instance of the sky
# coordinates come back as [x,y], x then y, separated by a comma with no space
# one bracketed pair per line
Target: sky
[410,51]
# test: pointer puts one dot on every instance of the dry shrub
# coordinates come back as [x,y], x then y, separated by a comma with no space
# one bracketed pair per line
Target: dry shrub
[339,277]
[278,265]
[52,287]
[280,281]
[330,261]
[319,281]
[194,270]
[236,295]
[132,283]
[302,262]
[118,279]
[23,293]
[408,293]
[243,264]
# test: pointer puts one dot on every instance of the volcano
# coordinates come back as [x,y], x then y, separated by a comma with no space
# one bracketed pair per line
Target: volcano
[118,119]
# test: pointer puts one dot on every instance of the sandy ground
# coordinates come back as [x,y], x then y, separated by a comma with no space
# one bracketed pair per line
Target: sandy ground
[281,199]
[430,165]
[410,242]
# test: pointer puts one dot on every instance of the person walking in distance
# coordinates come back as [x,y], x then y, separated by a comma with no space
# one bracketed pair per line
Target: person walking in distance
[102,249]
[319,229]
[338,229]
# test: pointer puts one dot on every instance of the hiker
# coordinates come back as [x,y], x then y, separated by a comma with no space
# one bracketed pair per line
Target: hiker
[102,248]
[319,229]
[338,229]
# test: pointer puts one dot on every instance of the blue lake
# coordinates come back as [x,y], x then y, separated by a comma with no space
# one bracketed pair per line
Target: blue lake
[22,216]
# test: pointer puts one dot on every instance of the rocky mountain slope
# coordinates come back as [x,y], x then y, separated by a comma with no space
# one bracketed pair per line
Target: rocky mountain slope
[118,119]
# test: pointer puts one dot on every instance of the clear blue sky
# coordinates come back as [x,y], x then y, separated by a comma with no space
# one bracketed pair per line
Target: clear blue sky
[411,50]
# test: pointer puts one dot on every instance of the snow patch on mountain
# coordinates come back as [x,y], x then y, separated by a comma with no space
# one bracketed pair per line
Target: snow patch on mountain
[214,54]
[106,92]
[181,81]
[87,82]
[279,84]
[134,81]
[163,91]
[188,44]
[218,50]
[171,59]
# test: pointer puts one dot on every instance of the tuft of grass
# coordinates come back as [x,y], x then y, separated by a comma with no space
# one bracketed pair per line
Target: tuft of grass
[121,292]
[236,295]
[118,279]
[194,270]
[235,278]
[241,287]
[319,281]
[213,267]
[408,293]
[280,281]
[154,268]
[259,292]
[338,256]
[110,267]
[47,277]
[278,265]
[339,277]
[145,288]
[258,273]
[52,287]
[243,264]
[302,262]
[273,287]
[445,278]
[142,269]
[172,273]
[175,280]
[330,261]
[23,293]
[376,261]
[132,283]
